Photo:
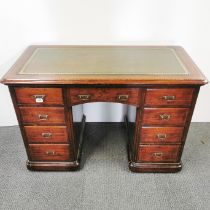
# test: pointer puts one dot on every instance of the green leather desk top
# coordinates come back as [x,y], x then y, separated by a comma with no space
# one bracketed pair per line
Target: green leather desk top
[104,60]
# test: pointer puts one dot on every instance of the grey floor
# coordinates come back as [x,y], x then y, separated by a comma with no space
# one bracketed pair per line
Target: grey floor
[105,182]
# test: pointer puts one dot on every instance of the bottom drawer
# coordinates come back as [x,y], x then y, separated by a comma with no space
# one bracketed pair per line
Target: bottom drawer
[49,152]
[158,153]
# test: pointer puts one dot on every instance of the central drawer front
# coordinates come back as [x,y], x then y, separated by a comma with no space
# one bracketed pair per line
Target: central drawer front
[42,115]
[161,135]
[39,96]
[158,153]
[169,96]
[165,116]
[119,95]
[46,134]
[49,152]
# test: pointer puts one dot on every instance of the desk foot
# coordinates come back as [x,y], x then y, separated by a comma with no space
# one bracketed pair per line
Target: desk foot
[53,166]
[155,167]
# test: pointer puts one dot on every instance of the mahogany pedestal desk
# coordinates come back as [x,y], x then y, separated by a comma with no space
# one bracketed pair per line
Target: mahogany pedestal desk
[50,84]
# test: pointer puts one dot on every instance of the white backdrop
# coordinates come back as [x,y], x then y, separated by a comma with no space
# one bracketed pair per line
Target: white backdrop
[115,22]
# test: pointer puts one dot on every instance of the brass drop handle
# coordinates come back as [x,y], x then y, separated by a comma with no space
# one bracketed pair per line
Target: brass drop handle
[39,98]
[46,135]
[169,98]
[123,97]
[165,116]
[50,152]
[158,154]
[84,97]
[43,116]
[161,136]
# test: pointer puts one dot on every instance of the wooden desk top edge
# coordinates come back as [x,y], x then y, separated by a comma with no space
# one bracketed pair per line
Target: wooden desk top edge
[195,76]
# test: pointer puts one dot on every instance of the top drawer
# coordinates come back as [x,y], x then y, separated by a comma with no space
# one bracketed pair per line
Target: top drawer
[171,96]
[118,95]
[39,96]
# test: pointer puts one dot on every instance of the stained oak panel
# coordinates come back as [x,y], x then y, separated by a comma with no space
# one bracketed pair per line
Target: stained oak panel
[118,95]
[42,115]
[46,134]
[39,96]
[158,153]
[49,152]
[165,116]
[161,135]
[170,96]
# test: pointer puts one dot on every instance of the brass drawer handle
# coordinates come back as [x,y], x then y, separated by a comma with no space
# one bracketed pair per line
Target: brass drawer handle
[165,116]
[84,97]
[123,97]
[161,136]
[169,98]
[39,98]
[50,152]
[158,154]
[43,116]
[46,135]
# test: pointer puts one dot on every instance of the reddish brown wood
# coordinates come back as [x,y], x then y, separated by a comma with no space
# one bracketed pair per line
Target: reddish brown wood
[52,96]
[46,134]
[106,95]
[19,118]
[69,124]
[187,125]
[158,153]
[49,152]
[49,115]
[144,167]
[169,97]
[161,135]
[53,166]
[176,116]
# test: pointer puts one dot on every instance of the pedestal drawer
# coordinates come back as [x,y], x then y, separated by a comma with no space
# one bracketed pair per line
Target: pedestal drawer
[39,96]
[169,96]
[158,153]
[42,115]
[165,116]
[161,135]
[119,95]
[46,134]
[49,152]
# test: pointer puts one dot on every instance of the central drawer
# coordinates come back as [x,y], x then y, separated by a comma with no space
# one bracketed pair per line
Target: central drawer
[119,95]
[49,152]
[42,115]
[165,116]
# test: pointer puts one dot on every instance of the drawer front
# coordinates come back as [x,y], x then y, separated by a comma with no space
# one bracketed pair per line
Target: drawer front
[49,152]
[165,116]
[119,95]
[39,96]
[158,153]
[174,96]
[42,115]
[46,134]
[161,135]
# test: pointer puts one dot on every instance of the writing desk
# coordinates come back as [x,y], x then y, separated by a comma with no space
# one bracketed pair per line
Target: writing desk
[49,84]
